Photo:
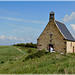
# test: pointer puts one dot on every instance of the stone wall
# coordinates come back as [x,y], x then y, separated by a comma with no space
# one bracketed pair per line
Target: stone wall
[57,39]
[70,47]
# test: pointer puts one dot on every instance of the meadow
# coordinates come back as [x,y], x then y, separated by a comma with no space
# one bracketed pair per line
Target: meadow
[22,60]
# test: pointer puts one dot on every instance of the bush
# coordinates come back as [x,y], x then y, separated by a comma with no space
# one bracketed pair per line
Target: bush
[36,55]
[20,44]
[30,51]
[26,45]
[2,62]
[31,45]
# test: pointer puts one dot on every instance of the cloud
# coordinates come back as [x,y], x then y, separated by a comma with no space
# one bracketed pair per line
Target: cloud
[72,29]
[22,20]
[10,38]
[2,37]
[69,17]
[73,26]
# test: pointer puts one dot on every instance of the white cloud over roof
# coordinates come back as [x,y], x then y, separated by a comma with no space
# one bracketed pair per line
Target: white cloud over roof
[68,18]
[73,26]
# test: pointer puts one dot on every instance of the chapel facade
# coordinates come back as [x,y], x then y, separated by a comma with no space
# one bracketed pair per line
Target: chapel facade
[57,36]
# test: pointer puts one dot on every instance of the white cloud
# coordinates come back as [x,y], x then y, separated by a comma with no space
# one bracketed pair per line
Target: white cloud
[69,17]
[22,20]
[11,38]
[72,29]
[2,37]
[73,26]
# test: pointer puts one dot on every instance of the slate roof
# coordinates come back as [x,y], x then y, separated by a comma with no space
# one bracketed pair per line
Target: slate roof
[63,29]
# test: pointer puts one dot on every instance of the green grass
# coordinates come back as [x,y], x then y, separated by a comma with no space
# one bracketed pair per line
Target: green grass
[25,49]
[43,63]
[8,52]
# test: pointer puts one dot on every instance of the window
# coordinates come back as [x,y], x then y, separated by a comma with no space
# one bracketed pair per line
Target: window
[50,35]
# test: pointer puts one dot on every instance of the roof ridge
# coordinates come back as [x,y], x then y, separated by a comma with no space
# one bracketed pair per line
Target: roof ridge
[59,21]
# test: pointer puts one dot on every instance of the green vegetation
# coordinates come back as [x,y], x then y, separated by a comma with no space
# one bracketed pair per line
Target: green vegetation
[8,52]
[32,61]
[38,54]
[26,45]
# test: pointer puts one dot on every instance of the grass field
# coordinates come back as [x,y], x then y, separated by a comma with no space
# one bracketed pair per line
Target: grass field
[8,52]
[13,61]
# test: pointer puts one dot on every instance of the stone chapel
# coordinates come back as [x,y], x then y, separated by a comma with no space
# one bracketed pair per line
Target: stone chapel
[57,36]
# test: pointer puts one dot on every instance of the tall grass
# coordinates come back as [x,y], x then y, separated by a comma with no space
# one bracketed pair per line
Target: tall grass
[41,63]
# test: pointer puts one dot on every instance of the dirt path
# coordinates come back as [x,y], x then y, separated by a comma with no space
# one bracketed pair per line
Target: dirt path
[20,50]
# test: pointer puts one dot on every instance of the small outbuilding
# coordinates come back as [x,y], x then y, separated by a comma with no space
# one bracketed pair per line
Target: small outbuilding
[57,36]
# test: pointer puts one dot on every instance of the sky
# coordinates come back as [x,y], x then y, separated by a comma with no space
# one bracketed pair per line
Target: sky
[24,21]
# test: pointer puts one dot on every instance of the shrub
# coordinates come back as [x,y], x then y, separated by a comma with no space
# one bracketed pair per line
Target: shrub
[38,54]
[20,44]
[30,51]
[2,62]
[26,45]
[31,45]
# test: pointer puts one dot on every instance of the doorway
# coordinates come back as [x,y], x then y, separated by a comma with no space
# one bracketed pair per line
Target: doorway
[50,46]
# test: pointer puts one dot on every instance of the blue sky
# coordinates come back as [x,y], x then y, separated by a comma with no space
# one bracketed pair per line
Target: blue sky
[23,21]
